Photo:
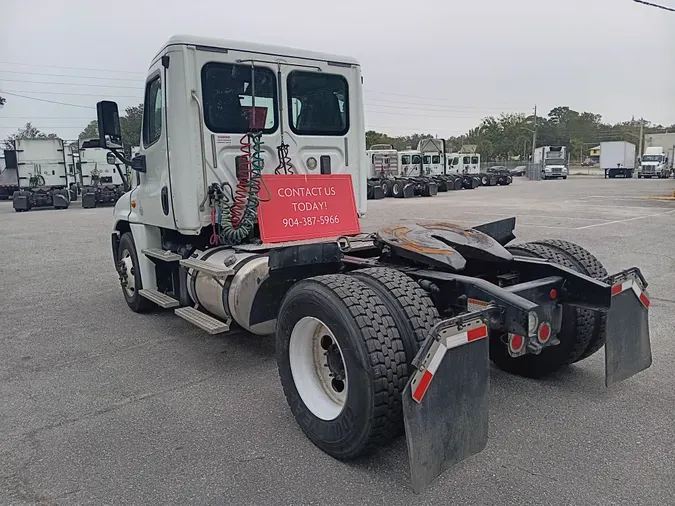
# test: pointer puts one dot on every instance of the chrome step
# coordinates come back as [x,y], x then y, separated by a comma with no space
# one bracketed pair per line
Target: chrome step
[159,298]
[202,320]
[217,271]
[161,254]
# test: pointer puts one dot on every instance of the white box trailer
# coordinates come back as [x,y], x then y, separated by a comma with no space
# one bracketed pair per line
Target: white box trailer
[42,175]
[101,181]
[617,158]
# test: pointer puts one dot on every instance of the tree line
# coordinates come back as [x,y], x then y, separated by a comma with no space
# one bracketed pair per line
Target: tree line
[497,138]
[509,136]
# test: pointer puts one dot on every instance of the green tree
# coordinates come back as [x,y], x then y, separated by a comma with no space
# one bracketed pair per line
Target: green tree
[27,132]
[130,124]
[90,131]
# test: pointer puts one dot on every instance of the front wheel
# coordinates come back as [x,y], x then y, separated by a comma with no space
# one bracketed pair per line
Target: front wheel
[130,275]
[342,364]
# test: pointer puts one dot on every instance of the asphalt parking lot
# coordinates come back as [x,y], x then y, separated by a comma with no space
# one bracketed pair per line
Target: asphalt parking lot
[103,406]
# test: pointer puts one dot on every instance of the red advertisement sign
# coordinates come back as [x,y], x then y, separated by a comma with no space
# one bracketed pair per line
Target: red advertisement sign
[307,207]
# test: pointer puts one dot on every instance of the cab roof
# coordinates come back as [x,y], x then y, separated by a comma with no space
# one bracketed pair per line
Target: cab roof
[252,47]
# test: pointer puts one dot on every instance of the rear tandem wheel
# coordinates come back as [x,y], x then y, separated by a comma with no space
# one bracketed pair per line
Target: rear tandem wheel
[582,332]
[342,364]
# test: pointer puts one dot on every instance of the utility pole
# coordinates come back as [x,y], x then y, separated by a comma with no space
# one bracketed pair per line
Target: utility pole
[534,133]
[642,136]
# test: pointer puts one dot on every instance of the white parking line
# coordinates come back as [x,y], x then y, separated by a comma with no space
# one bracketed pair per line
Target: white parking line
[627,219]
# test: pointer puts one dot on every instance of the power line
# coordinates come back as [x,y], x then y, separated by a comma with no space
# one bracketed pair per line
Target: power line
[70,75]
[75,94]
[69,68]
[440,98]
[655,5]
[424,115]
[4,92]
[434,107]
[71,84]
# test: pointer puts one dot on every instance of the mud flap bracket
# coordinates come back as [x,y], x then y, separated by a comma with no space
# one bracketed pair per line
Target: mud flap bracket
[627,346]
[445,403]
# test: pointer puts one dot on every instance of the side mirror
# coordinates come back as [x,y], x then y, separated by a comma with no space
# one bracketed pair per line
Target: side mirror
[109,131]
[138,163]
[111,159]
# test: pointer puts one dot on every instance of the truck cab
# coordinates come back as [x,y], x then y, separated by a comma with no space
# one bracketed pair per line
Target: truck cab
[410,163]
[654,163]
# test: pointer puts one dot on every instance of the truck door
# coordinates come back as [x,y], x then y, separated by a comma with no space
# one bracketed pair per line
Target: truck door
[153,197]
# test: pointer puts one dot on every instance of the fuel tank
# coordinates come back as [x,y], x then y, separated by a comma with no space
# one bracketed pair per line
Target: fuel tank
[234,296]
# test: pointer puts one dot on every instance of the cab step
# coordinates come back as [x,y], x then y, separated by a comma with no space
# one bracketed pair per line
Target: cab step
[217,271]
[159,298]
[202,320]
[161,254]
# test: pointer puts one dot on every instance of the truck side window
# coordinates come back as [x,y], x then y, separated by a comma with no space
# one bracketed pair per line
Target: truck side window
[152,115]
[405,159]
[416,159]
[435,159]
[455,161]
[467,160]
[229,103]
[474,159]
[318,103]
[427,159]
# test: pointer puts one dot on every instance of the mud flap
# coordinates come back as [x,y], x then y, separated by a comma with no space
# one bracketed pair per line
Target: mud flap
[408,191]
[445,404]
[60,201]
[88,200]
[627,346]
[21,203]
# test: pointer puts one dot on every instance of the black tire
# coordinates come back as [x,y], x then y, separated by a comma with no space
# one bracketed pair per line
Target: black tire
[484,181]
[135,302]
[410,306]
[386,185]
[374,361]
[369,190]
[575,333]
[396,189]
[586,263]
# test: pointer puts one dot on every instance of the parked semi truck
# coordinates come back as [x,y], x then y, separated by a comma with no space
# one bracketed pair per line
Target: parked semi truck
[42,175]
[102,183]
[666,141]
[378,334]
[553,160]
[617,158]
[654,163]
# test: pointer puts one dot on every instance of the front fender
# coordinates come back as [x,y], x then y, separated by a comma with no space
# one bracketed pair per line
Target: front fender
[122,210]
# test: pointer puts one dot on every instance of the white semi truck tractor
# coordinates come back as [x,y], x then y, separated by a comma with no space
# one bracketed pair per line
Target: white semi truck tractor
[102,182]
[43,178]
[654,163]
[376,334]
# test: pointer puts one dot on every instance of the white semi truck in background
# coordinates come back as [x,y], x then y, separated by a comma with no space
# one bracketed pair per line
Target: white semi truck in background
[42,175]
[553,160]
[665,141]
[654,163]
[101,182]
[617,158]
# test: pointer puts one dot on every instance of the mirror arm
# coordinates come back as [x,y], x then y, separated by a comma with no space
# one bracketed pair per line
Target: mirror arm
[125,161]
[120,157]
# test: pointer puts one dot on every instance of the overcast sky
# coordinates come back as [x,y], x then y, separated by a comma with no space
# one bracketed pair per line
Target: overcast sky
[433,66]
